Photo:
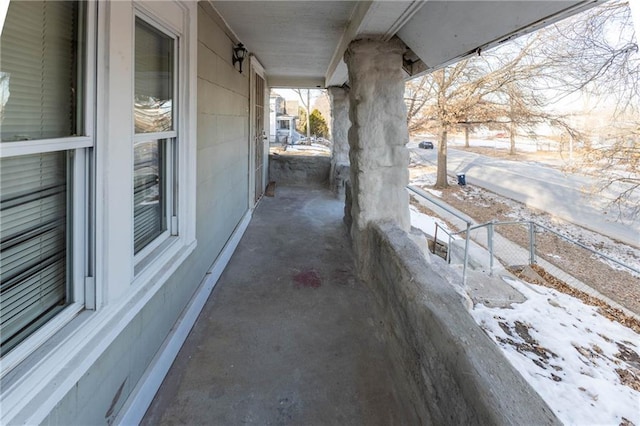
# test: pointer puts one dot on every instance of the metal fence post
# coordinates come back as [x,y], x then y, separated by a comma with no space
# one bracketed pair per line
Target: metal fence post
[532,238]
[435,239]
[490,245]
[466,255]
[532,243]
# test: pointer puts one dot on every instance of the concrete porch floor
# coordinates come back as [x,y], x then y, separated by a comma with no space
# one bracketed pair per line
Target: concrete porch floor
[289,335]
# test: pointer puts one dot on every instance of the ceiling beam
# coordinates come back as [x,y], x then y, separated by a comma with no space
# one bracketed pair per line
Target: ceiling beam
[403,19]
[285,82]
[374,19]
[352,29]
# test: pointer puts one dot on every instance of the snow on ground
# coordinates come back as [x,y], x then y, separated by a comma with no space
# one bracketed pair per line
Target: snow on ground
[428,224]
[573,357]
[423,175]
[313,149]
[425,179]
[585,366]
[576,359]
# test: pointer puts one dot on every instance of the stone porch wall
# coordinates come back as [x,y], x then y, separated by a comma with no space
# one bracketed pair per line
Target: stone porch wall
[299,169]
[457,373]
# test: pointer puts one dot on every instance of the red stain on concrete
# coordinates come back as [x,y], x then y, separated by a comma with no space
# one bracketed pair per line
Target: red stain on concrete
[309,279]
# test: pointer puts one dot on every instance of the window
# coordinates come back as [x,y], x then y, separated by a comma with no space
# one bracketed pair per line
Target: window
[284,124]
[155,138]
[43,144]
[39,74]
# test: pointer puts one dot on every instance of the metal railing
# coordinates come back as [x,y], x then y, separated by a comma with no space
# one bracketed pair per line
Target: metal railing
[525,251]
[522,251]
[467,220]
[440,205]
[491,242]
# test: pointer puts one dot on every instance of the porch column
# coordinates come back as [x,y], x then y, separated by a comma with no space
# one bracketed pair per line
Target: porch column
[339,134]
[378,135]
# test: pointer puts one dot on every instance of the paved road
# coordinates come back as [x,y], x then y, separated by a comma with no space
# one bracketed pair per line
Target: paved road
[544,188]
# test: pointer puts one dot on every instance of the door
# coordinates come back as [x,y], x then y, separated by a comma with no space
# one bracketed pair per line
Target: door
[259,135]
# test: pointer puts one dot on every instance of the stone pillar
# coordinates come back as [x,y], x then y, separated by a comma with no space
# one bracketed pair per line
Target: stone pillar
[339,134]
[378,135]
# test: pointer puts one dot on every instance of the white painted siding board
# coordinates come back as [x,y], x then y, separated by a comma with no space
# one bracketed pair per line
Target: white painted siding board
[207,63]
[117,155]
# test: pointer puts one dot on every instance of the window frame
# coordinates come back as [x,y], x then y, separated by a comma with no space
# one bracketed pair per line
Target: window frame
[145,258]
[80,152]
[114,296]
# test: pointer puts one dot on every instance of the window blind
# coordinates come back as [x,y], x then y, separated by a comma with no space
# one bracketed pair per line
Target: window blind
[33,254]
[148,193]
[39,75]
[38,67]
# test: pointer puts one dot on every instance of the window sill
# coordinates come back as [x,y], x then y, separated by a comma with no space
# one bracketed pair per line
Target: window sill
[25,348]
[160,255]
[32,388]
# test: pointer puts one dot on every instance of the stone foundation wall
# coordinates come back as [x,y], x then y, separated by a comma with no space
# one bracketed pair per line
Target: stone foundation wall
[299,169]
[457,373]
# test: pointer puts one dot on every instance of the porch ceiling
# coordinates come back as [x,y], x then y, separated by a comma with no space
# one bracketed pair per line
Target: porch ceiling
[301,43]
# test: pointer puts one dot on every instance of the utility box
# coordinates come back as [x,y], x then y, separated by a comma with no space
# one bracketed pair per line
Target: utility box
[462,179]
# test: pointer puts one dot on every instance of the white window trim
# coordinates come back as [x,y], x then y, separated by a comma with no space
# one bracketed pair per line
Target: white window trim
[146,257]
[17,148]
[143,137]
[36,388]
[4,7]
[78,210]
[153,257]
[36,385]
[35,340]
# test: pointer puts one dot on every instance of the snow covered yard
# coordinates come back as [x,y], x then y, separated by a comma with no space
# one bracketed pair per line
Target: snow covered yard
[585,366]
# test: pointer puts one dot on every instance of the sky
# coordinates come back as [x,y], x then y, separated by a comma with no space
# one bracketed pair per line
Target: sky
[290,95]
[4,6]
[635,11]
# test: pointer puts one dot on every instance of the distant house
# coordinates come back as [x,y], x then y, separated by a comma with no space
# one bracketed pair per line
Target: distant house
[291,107]
[282,122]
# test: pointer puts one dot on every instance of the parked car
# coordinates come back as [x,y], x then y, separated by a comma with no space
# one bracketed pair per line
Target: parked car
[426,145]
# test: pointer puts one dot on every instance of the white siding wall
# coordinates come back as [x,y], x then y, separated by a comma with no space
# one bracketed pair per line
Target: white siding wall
[222,202]
[223,139]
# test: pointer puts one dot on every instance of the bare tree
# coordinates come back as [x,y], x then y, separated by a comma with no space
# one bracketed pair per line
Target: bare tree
[307,104]
[512,87]
[614,159]
[597,52]
[491,91]
[437,102]
[599,56]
